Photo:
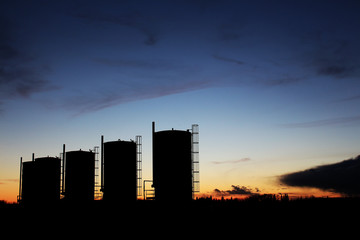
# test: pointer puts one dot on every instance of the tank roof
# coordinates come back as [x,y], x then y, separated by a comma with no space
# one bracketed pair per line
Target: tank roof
[171,131]
[120,141]
[79,151]
[45,158]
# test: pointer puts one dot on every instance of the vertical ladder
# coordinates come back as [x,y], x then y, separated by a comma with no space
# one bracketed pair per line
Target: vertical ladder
[62,175]
[138,165]
[62,172]
[97,192]
[195,159]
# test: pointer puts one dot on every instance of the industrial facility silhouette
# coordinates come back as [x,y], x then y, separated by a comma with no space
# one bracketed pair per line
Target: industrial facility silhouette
[81,177]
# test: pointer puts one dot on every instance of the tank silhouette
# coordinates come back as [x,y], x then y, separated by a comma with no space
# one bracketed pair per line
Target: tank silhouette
[119,171]
[41,180]
[172,165]
[175,171]
[79,176]
[48,171]
[28,179]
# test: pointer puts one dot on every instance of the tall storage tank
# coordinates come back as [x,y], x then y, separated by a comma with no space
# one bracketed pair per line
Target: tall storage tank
[41,180]
[120,180]
[79,175]
[48,178]
[172,165]
[28,192]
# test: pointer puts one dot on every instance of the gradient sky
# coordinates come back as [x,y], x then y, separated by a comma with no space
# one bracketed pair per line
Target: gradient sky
[273,85]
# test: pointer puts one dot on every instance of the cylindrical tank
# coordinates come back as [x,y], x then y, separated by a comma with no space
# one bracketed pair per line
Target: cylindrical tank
[79,175]
[48,178]
[120,171]
[41,180]
[172,170]
[28,193]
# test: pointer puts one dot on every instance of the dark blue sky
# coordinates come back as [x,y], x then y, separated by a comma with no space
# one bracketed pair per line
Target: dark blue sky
[278,80]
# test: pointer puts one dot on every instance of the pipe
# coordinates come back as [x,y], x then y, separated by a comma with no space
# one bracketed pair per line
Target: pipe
[153,154]
[63,172]
[21,161]
[102,163]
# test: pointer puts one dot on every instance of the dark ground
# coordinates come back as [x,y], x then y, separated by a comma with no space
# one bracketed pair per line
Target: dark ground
[259,215]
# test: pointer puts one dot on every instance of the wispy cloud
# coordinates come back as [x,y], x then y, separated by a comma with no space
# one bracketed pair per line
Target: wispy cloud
[227,59]
[4,181]
[232,161]
[132,20]
[323,122]
[108,98]
[352,98]
[152,79]
[153,64]
[20,76]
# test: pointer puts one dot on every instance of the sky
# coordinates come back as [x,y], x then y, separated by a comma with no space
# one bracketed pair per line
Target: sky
[273,85]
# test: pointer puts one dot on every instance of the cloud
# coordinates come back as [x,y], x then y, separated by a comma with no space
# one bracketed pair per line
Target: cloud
[352,98]
[227,59]
[229,31]
[4,181]
[154,64]
[282,81]
[108,98]
[152,79]
[236,190]
[132,20]
[342,177]
[232,161]
[20,76]
[324,122]
[337,58]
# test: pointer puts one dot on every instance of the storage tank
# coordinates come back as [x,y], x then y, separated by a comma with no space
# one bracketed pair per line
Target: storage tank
[48,178]
[172,165]
[119,170]
[28,180]
[41,180]
[79,175]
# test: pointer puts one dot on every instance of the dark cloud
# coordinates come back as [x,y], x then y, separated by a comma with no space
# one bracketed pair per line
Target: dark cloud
[232,161]
[132,20]
[342,177]
[335,70]
[337,58]
[19,76]
[282,81]
[236,190]
[324,122]
[227,59]
[7,52]
[154,64]
[229,31]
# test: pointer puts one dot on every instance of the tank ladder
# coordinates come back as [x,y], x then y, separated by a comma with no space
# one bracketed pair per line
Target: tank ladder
[195,159]
[62,173]
[97,186]
[138,165]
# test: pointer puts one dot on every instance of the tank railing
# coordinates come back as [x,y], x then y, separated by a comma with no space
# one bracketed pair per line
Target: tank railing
[149,194]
